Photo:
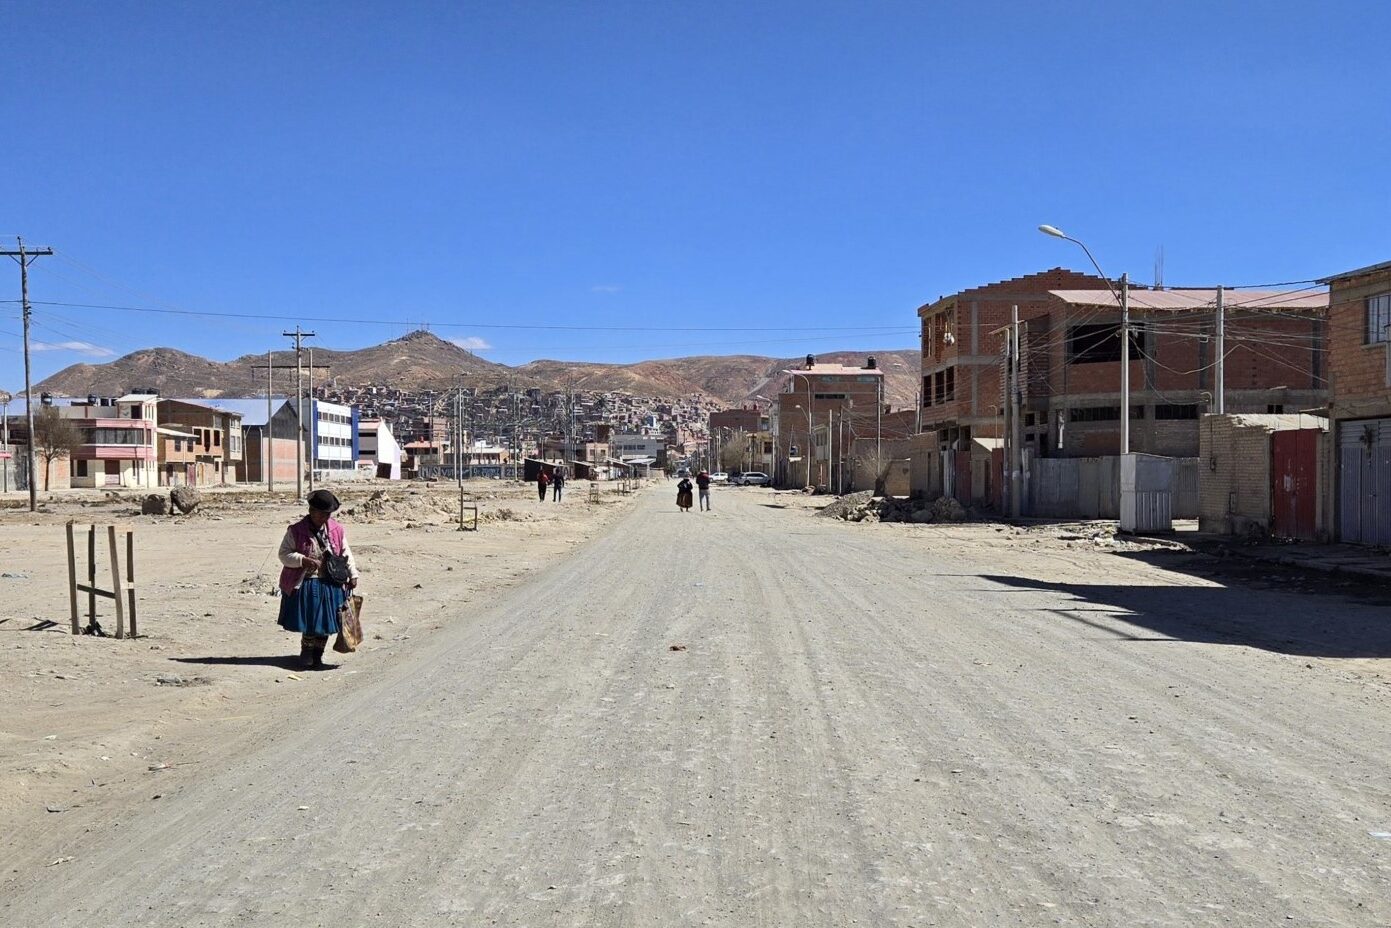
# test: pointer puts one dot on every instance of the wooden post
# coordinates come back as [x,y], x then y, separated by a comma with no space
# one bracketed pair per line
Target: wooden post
[72,579]
[117,595]
[91,575]
[130,576]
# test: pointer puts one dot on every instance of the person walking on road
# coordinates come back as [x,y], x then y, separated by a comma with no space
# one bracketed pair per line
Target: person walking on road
[558,483]
[542,479]
[318,571]
[703,482]
[683,495]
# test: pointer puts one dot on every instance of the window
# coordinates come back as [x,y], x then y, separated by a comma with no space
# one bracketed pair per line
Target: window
[830,396]
[1275,409]
[1095,414]
[1378,317]
[1176,410]
[1101,342]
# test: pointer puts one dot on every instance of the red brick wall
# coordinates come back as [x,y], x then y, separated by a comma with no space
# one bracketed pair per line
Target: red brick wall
[1357,370]
[978,315]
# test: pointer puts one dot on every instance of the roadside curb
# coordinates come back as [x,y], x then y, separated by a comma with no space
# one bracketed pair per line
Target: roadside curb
[1326,560]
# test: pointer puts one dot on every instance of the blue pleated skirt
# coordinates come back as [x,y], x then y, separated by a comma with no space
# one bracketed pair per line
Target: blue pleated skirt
[313,608]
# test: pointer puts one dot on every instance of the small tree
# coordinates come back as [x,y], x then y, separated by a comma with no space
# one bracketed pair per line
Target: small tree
[879,464]
[54,437]
[733,451]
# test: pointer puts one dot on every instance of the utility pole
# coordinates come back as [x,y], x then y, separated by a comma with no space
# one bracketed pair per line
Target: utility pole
[879,422]
[1125,364]
[314,431]
[5,423]
[269,459]
[830,449]
[299,336]
[26,258]
[270,410]
[1006,406]
[1016,434]
[1220,386]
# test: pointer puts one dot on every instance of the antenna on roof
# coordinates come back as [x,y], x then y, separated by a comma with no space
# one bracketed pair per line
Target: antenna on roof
[1159,268]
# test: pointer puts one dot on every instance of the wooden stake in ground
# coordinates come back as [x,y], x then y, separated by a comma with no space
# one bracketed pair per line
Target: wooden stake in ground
[122,596]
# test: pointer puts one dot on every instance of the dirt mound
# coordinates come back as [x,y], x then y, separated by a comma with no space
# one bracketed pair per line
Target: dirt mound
[411,506]
[866,507]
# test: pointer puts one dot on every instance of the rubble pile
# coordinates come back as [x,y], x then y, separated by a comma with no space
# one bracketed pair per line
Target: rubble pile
[413,507]
[866,507]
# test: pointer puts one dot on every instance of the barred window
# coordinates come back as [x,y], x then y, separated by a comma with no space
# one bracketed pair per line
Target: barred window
[1378,317]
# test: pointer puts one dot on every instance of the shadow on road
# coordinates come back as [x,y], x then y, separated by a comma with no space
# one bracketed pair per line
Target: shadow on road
[1289,616]
[283,661]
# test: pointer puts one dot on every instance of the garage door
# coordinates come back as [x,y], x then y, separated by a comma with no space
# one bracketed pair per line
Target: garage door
[1364,481]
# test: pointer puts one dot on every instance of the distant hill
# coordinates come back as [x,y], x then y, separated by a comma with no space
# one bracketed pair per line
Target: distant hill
[421,360]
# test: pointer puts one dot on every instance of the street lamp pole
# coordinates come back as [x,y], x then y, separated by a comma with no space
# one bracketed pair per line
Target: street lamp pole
[807,410]
[810,443]
[1123,300]
[5,422]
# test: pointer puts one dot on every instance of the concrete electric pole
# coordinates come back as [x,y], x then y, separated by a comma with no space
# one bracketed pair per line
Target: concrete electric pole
[26,258]
[299,336]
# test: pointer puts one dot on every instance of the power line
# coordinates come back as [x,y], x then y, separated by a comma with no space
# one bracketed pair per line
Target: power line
[472,325]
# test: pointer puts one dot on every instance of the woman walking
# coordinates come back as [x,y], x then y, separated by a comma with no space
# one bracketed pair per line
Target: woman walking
[319,570]
[683,495]
[542,478]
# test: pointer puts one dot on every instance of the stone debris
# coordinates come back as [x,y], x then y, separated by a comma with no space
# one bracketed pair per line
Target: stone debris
[866,507]
[185,499]
[154,505]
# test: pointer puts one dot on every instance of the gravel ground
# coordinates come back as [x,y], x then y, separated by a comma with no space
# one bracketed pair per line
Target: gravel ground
[755,717]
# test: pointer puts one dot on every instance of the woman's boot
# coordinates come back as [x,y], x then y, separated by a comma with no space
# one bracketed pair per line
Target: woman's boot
[306,654]
[319,664]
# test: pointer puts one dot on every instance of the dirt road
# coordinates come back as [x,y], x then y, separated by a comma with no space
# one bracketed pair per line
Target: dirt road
[759,717]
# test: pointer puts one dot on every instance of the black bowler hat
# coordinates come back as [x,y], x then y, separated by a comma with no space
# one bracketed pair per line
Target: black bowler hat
[324,501]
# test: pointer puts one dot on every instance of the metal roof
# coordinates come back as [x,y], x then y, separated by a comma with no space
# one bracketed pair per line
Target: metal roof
[1175,300]
[252,411]
[1358,272]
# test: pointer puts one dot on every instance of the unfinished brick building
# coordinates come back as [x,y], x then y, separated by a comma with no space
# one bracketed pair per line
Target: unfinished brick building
[1071,371]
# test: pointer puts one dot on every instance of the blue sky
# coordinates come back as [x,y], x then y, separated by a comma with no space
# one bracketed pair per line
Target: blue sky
[814,170]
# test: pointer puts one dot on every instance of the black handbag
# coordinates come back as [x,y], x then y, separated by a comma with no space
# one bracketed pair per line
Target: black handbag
[335,566]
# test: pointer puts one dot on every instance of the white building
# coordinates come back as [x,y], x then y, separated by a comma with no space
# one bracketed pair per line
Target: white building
[333,440]
[624,446]
[378,451]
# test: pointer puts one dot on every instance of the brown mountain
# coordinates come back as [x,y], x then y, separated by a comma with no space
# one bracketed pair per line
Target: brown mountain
[422,360]
[731,378]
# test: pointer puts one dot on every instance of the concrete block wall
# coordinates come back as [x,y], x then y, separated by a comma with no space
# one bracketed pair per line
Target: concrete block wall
[1235,470]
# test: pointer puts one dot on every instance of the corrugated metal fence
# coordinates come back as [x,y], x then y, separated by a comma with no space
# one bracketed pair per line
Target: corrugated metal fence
[1089,488]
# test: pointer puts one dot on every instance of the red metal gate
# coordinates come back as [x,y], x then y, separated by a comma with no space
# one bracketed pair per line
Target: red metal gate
[1294,483]
[963,477]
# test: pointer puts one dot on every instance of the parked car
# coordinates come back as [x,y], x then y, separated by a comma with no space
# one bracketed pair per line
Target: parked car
[719,476]
[735,478]
[754,478]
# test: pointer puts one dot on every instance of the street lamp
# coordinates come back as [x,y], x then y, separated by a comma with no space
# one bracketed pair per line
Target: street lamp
[1122,298]
[811,436]
[5,421]
[805,377]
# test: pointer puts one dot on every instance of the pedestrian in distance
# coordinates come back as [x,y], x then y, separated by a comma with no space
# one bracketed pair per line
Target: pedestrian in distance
[318,570]
[683,495]
[542,480]
[703,483]
[558,484]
